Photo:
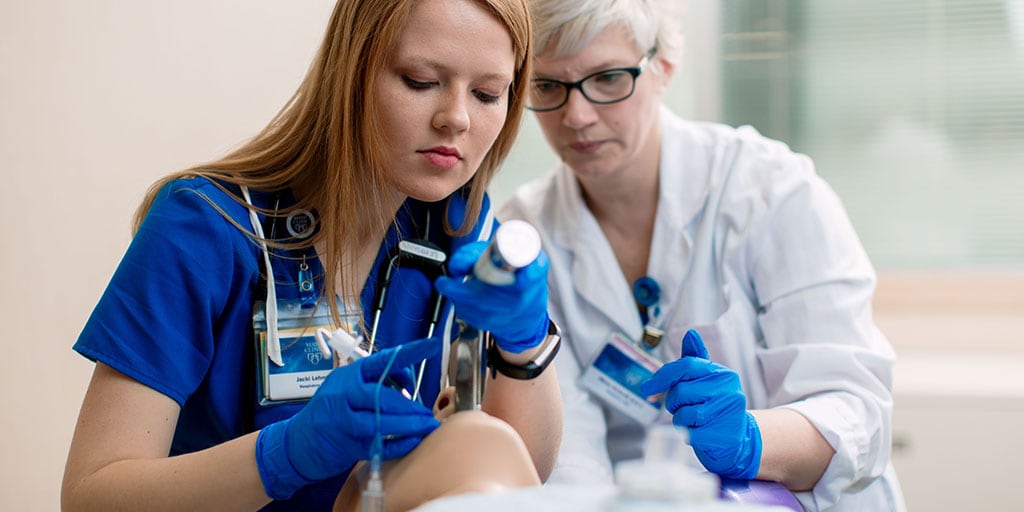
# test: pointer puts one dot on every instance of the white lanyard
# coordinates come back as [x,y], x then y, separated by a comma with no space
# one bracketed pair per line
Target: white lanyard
[273,341]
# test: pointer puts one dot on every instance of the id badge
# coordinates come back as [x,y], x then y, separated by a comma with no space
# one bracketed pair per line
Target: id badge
[305,367]
[615,377]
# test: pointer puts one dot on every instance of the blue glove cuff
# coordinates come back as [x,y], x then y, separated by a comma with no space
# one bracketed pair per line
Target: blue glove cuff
[280,478]
[517,347]
[749,461]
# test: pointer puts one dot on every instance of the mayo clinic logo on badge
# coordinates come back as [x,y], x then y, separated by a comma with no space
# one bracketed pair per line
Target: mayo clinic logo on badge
[300,223]
[314,358]
[313,354]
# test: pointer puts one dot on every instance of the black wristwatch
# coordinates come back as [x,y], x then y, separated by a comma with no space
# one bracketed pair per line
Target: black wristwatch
[533,367]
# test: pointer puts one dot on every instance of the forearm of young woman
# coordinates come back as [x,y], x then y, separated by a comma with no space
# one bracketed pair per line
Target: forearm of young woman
[533,407]
[220,478]
[118,458]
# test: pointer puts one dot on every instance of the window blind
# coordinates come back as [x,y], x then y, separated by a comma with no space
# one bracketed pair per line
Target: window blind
[913,111]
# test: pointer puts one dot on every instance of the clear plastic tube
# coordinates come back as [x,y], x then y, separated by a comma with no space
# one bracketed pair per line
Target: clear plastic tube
[374,497]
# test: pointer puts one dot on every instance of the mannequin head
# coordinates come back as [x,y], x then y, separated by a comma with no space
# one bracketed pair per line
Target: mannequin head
[457,458]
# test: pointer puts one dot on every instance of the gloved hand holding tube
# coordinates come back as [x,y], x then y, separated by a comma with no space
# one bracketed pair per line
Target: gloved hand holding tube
[508,294]
[337,427]
[707,398]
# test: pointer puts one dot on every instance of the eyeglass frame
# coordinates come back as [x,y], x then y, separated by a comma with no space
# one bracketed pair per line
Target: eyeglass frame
[634,72]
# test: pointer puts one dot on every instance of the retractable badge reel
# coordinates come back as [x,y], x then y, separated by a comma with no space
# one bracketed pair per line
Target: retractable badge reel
[647,294]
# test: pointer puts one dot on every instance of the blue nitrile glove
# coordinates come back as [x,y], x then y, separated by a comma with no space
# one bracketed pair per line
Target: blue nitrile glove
[336,428]
[516,314]
[706,397]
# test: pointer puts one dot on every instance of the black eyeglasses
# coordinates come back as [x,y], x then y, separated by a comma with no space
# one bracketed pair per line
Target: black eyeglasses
[601,87]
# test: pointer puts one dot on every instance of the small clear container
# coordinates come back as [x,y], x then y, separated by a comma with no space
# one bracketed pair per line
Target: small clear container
[665,478]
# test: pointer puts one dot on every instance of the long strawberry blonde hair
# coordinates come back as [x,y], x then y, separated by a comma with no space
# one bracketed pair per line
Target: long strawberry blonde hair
[323,140]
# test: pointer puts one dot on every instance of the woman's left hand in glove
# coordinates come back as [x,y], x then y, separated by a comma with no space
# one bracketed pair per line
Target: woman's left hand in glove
[515,314]
[707,398]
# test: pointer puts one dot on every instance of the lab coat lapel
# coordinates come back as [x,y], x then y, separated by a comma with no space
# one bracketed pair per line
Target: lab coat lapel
[596,278]
[694,170]
[684,183]
[671,243]
[683,176]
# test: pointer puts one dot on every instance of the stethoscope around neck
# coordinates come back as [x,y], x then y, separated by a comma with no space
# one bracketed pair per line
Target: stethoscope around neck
[420,254]
[427,258]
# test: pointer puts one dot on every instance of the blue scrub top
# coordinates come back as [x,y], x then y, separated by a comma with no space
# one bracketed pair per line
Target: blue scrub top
[177,314]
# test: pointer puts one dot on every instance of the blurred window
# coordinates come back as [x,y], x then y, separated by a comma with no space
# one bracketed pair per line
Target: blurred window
[913,110]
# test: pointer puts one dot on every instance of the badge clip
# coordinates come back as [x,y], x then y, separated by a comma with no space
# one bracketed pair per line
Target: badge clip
[652,337]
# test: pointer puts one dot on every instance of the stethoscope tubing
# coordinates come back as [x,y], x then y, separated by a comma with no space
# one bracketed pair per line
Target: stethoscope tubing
[425,257]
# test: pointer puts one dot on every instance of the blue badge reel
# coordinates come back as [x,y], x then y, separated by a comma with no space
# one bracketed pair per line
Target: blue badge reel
[647,292]
[615,377]
[304,365]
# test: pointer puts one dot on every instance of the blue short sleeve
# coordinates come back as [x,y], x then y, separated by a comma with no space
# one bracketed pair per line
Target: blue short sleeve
[158,319]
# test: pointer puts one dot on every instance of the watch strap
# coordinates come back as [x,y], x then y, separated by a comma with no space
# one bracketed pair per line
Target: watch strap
[532,368]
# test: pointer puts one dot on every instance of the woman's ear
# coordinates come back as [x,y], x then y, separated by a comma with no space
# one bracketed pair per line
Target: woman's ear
[666,70]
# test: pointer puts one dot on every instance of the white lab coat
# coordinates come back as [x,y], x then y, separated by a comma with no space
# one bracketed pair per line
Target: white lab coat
[755,251]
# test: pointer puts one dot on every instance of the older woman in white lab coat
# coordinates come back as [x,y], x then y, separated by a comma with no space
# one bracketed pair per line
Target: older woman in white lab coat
[747,245]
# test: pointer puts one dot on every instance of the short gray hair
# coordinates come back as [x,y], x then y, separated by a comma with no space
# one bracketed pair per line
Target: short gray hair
[566,27]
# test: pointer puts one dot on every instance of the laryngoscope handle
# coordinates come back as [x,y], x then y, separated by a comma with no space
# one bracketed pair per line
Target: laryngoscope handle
[515,244]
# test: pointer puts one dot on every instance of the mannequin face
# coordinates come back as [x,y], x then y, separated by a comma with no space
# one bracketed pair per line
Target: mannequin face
[443,96]
[599,140]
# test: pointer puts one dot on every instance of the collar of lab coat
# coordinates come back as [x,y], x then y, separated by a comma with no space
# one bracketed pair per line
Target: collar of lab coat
[686,157]
[682,179]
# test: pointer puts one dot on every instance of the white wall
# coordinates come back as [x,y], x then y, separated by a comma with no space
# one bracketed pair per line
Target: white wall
[99,98]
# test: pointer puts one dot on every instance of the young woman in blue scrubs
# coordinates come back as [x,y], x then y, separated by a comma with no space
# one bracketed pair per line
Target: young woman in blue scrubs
[401,122]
